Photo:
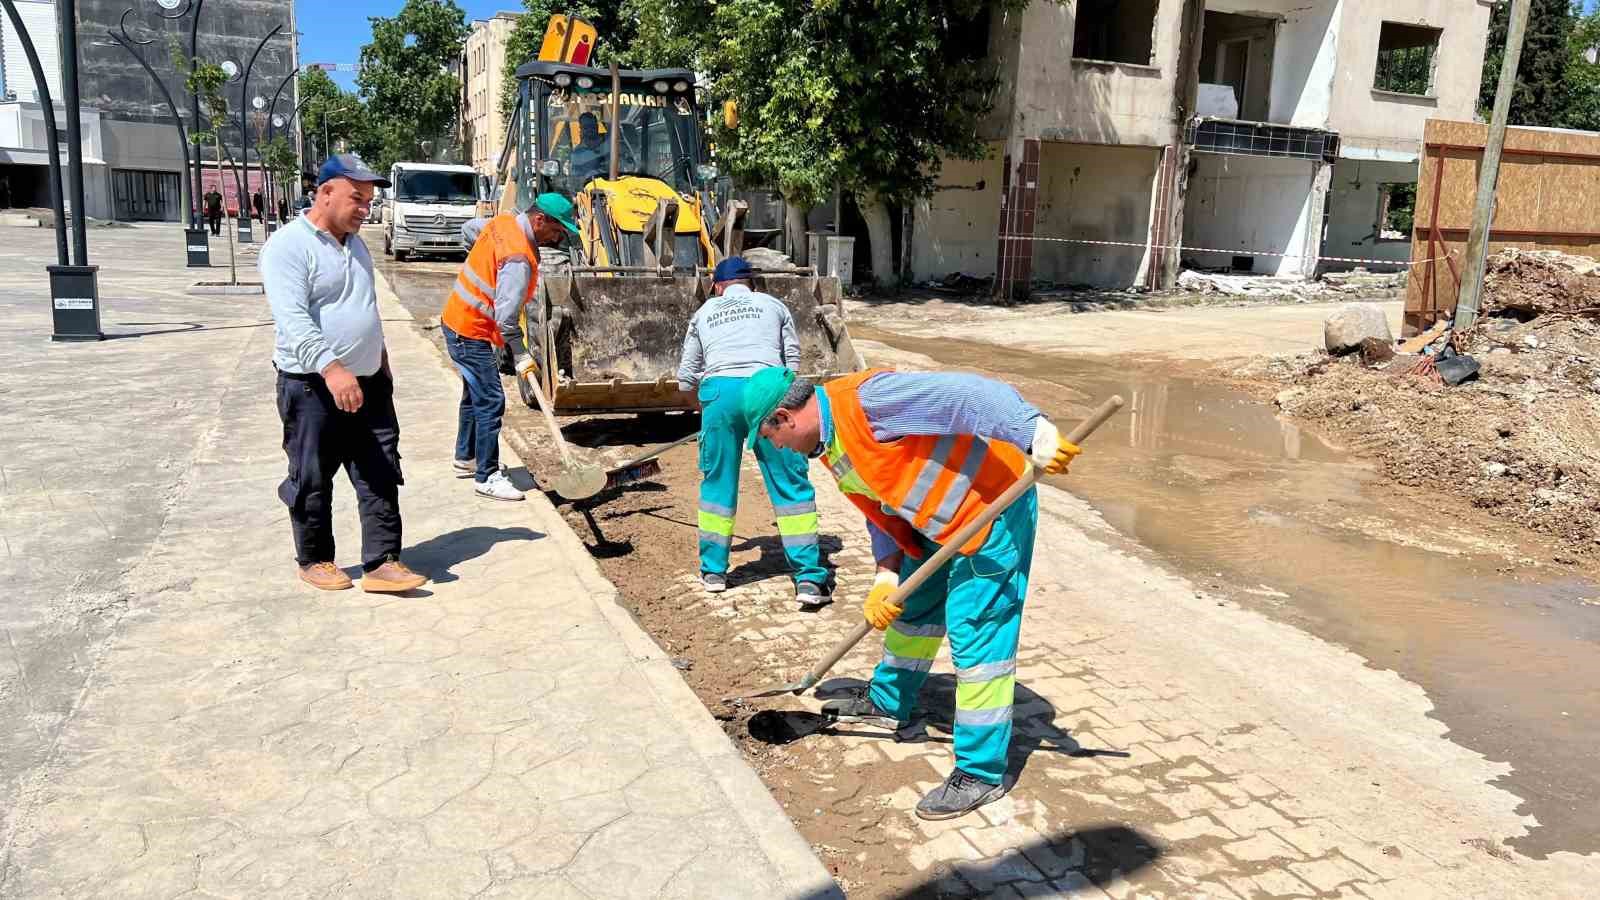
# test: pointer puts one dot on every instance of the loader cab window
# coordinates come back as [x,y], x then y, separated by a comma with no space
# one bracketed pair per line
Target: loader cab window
[657,137]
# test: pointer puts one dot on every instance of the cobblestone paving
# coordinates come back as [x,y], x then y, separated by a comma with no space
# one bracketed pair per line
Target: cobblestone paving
[506,732]
[1168,744]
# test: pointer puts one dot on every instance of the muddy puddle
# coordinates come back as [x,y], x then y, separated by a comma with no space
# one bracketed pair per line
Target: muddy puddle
[1257,509]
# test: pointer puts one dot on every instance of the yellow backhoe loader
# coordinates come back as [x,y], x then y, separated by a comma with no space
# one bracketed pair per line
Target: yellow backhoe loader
[628,146]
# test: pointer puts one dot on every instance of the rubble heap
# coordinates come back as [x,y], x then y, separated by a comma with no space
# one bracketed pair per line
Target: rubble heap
[1517,437]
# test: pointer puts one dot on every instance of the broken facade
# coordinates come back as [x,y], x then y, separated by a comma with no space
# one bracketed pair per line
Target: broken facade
[1264,134]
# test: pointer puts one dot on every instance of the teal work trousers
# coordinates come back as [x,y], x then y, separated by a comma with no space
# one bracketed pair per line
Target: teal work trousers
[722,437]
[977,601]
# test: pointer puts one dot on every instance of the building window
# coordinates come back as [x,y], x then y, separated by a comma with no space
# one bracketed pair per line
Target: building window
[1405,59]
[1114,31]
[1397,207]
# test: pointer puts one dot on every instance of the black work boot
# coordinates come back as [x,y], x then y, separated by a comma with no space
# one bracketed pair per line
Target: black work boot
[959,795]
[857,706]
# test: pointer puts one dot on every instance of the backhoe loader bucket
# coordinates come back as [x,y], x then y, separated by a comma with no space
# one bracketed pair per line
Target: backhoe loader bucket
[616,337]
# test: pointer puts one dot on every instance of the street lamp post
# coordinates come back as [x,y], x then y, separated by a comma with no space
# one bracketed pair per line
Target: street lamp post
[197,249]
[74,289]
[245,237]
[271,127]
[48,107]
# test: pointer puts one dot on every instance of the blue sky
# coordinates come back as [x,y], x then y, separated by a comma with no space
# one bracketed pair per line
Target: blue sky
[334,30]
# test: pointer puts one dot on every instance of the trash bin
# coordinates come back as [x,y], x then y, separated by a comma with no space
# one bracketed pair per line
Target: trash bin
[198,247]
[841,259]
[817,250]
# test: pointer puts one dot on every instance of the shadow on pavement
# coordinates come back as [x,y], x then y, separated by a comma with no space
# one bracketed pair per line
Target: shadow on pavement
[772,562]
[174,328]
[1033,728]
[1096,854]
[643,429]
[435,556]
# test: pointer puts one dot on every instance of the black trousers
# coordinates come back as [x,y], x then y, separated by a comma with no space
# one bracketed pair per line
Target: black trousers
[319,439]
[215,219]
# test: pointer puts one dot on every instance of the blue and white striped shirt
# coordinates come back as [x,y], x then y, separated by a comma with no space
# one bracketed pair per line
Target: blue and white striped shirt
[902,404]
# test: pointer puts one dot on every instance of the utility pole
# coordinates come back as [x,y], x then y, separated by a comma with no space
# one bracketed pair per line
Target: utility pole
[1477,252]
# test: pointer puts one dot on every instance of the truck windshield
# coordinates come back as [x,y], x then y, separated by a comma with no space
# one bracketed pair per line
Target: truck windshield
[437,187]
[657,138]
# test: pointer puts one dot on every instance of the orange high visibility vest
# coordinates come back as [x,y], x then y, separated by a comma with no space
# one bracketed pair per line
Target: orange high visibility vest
[470,309]
[936,483]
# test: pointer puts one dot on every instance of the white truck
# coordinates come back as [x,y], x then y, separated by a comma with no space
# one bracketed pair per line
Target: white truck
[428,203]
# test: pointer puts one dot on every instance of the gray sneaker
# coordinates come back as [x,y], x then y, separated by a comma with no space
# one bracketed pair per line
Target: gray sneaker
[959,795]
[810,593]
[713,582]
[857,706]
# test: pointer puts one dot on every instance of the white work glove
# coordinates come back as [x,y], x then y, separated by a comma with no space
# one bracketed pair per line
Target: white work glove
[1051,452]
[524,364]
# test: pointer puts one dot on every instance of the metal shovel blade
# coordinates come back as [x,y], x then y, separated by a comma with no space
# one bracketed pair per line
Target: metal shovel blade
[806,683]
[579,480]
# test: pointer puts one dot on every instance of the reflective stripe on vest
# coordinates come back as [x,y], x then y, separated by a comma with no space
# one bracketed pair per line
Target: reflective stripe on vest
[469,310]
[936,484]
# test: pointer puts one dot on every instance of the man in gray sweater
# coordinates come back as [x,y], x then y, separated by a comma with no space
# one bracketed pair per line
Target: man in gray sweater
[735,334]
[335,388]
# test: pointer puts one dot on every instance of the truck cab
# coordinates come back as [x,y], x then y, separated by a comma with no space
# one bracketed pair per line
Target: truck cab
[427,205]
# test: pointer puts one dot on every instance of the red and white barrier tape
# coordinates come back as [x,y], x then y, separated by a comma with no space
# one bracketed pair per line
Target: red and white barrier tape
[1349,259]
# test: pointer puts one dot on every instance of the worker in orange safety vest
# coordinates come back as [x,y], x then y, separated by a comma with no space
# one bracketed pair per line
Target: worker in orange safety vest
[481,315]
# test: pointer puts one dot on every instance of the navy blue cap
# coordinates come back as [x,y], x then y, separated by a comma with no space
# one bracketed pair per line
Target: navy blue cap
[731,269]
[348,165]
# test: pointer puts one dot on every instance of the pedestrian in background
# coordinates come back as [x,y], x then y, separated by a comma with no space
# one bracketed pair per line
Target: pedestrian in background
[335,387]
[735,334]
[214,210]
[481,315]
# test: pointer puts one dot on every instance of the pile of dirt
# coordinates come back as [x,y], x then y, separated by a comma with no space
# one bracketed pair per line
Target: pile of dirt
[1541,282]
[1517,441]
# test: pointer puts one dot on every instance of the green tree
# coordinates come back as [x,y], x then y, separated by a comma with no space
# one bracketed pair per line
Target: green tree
[871,95]
[325,103]
[206,80]
[1543,94]
[1583,76]
[412,102]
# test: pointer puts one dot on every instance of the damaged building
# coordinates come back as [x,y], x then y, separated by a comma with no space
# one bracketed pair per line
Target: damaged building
[1131,139]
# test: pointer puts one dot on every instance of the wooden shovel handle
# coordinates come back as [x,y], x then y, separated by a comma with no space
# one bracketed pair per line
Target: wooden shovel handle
[550,419]
[956,541]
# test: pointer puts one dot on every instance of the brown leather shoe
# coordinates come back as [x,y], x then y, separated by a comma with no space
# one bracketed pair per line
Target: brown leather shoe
[325,575]
[392,578]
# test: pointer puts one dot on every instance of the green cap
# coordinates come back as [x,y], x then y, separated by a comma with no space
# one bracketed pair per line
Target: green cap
[556,207]
[762,393]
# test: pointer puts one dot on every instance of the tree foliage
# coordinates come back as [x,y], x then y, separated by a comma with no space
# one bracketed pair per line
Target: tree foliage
[279,158]
[411,101]
[205,79]
[869,95]
[1542,95]
[324,102]
[1583,77]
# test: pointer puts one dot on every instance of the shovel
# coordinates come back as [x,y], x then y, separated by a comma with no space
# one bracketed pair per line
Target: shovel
[926,570]
[576,480]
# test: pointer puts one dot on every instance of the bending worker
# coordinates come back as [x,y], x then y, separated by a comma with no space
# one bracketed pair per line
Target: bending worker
[498,277]
[737,333]
[923,454]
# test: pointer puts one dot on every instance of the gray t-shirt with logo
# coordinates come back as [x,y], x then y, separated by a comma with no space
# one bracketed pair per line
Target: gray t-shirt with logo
[736,335]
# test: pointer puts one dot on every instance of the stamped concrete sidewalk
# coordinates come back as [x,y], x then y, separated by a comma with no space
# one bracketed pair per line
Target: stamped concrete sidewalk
[190,720]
